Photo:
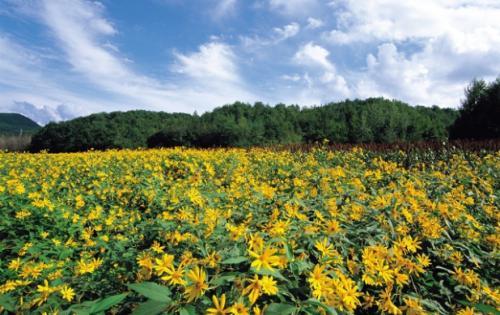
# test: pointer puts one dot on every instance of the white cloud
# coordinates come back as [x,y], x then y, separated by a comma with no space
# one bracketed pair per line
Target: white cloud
[391,74]
[453,41]
[287,31]
[313,23]
[213,61]
[25,78]
[468,24]
[313,55]
[280,34]
[43,114]
[201,80]
[321,80]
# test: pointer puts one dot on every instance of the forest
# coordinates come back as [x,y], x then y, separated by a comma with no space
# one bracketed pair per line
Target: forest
[245,125]
[374,120]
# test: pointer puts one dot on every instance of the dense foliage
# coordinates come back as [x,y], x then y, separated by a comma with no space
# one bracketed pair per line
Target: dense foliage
[12,124]
[480,112]
[232,231]
[244,125]
[104,131]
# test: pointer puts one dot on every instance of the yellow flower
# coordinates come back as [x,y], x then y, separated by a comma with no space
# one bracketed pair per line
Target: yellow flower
[323,247]
[84,266]
[198,284]
[467,311]
[45,288]
[239,309]
[268,285]
[67,293]
[157,248]
[411,245]
[15,264]
[413,307]
[163,264]
[257,311]
[212,259]
[265,259]
[317,277]
[145,261]
[253,290]
[219,308]
[174,276]
[385,304]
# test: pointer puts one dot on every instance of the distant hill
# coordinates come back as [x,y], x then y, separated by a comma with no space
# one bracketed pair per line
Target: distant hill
[15,124]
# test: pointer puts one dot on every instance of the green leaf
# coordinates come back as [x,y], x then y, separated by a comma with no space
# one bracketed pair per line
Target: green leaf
[188,310]
[329,310]
[220,280]
[107,303]
[150,307]
[280,309]
[234,260]
[80,309]
[486,309]
[7,302]
[152,291]
[289,252]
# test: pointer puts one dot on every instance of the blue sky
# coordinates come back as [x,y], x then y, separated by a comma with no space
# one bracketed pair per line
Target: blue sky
[65,58]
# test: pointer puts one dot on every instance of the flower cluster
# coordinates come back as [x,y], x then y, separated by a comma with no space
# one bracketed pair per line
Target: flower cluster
[231,231]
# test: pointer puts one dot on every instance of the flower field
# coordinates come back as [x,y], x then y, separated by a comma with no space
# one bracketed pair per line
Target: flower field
[185,231]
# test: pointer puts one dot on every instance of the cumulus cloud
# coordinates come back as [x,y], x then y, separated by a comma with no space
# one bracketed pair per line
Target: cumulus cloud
[454,41]
[422,51]
[468,24]
[215,61]
[313,55]
[321,77]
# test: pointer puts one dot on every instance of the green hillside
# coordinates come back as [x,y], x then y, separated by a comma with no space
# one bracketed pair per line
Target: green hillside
[14,124]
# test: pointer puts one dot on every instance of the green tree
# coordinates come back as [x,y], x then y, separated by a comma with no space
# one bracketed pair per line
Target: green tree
[480,112]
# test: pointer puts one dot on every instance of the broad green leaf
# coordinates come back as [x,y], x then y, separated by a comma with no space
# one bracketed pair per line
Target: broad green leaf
[150,307]
[188,310]
[107,303]
[486,309]
[152,291]
[7,302]
[280,309]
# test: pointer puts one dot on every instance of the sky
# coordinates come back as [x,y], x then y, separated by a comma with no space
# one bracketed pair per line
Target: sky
[65,58]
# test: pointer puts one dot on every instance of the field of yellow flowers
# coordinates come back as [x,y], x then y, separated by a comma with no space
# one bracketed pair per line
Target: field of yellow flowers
[233,231]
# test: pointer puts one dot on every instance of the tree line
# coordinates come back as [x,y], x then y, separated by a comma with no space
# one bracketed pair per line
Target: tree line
[373,120]
[243,125]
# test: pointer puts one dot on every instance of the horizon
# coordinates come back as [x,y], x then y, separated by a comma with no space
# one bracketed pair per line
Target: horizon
[216,107]
[65,59]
